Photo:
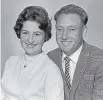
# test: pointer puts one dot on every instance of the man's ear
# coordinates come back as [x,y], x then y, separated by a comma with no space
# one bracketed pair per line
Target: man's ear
[85,31]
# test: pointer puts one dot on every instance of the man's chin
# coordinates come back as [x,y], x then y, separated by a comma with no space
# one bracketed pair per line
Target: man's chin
[68,51]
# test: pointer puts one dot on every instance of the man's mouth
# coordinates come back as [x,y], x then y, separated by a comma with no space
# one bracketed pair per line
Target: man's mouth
[66,43]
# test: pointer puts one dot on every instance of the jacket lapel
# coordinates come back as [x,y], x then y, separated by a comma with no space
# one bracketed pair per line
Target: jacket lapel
[59,64]
[80,68]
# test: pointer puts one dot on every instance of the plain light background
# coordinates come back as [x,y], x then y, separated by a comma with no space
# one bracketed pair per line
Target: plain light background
[10,9]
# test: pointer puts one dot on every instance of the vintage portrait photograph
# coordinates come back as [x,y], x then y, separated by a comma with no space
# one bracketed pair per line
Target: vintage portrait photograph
[51,50]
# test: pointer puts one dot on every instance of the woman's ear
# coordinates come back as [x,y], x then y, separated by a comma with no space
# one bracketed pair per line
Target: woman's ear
[46,38]
[85,31]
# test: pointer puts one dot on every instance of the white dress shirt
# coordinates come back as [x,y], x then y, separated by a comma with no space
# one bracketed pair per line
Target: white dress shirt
[73,61]
[40,79]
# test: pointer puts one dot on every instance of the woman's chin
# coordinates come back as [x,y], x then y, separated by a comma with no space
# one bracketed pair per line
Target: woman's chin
[32,53]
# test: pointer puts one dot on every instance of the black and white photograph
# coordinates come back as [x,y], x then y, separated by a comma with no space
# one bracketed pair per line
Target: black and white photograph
[51,50]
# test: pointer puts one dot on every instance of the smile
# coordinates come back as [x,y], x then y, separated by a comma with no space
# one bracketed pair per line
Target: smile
[66,43]
[31,45]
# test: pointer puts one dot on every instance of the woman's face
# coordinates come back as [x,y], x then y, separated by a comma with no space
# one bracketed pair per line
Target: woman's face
[32,38]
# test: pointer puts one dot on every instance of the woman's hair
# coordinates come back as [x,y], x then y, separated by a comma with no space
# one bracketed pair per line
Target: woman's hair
[34,13]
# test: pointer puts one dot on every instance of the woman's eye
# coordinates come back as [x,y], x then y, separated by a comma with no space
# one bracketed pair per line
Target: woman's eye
[59,29]
[37,34]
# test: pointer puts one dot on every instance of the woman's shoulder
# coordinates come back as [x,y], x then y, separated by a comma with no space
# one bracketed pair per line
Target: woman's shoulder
[48,60]
[13,58]
[50,64]
[11,62]
[53,71]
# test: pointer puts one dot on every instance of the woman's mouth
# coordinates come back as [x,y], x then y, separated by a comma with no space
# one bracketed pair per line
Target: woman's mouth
[31,45]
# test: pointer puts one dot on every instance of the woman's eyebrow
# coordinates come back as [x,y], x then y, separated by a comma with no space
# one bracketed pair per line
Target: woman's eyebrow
[38,32]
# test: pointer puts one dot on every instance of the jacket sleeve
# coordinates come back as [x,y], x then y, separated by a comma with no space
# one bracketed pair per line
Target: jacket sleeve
[98,82]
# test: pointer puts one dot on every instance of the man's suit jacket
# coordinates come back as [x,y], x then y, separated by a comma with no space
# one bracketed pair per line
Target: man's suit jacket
[87,82]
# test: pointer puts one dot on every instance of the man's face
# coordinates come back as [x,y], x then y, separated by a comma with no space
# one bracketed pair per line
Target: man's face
[69,32]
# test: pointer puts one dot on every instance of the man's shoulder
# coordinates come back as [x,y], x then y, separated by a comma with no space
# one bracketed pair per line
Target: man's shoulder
[95,50]
[95,53]
[53,52]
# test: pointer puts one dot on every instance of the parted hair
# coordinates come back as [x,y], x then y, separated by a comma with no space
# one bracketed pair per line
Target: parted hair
[34,13]
[69,9]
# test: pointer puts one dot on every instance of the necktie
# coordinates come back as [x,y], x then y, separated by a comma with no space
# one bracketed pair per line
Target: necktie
[67,75]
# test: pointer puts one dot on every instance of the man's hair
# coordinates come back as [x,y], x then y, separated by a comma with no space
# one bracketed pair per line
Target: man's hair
[73,9]
[34,13]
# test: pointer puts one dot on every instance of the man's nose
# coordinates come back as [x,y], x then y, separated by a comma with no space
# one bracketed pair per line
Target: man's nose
[65,35]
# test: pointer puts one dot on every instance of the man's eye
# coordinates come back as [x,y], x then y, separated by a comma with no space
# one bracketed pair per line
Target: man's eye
[24,33]
[72,29]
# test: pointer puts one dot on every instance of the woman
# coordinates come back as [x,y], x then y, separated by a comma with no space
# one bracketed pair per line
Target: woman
[32,76]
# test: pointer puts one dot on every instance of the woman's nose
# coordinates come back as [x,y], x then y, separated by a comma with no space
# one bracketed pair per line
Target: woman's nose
[30,39]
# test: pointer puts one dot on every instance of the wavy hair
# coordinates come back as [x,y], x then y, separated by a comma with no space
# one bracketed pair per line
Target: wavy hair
[34,13]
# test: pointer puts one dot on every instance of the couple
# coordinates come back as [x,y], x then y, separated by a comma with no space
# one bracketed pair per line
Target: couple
[74,71]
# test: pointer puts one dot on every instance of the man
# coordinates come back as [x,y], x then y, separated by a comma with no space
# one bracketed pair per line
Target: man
[81,64]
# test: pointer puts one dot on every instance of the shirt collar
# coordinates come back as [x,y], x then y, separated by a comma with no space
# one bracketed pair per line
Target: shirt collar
[28,58]
[74,57]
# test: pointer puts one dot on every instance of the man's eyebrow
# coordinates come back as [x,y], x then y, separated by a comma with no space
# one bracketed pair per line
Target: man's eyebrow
[72,26]
[58,26]
[24,30]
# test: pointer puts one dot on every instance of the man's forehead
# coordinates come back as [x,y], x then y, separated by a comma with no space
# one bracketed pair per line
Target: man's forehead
[68,17]
[68,20]
[65,25]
